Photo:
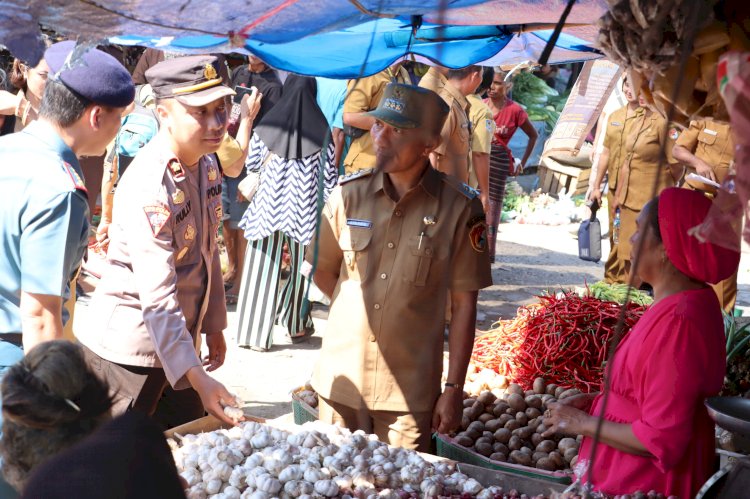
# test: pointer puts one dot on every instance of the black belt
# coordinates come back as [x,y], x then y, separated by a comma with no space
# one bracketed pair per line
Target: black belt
[12,338]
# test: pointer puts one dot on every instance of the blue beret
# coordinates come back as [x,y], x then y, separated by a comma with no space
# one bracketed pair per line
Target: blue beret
[93,74]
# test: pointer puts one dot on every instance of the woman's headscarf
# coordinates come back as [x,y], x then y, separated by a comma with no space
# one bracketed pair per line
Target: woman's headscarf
[679,211]
[295,127]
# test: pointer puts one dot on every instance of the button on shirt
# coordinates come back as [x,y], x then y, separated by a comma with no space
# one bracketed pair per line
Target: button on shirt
[162,284]
[384,341]
[43,219]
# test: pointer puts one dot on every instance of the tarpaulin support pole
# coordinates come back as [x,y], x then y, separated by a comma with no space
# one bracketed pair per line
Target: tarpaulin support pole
[547,52]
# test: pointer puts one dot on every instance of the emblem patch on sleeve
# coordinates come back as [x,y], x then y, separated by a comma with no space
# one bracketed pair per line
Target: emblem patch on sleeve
[673,133]
[157,217]
[478,236]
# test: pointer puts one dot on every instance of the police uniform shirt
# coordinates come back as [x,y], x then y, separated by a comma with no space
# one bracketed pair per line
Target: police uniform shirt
[482,131]
[711,141]
[43,219]
[363,95]
[455,144]
[396,262]
[162,285]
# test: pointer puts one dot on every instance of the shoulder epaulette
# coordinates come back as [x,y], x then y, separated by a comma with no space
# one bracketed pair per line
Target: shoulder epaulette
[77,180]
[175,168]
[465,189]
[354,176]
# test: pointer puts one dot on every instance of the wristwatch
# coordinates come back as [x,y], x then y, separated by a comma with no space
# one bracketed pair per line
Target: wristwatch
[457,386]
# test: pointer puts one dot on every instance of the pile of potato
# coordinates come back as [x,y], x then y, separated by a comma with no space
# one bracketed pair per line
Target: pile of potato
[509,428]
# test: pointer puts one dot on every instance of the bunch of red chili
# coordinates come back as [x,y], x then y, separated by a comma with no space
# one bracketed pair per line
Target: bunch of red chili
[565,339]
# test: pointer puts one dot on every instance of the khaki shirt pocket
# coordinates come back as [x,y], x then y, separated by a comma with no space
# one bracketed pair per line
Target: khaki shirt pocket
[354,242]
[422,254]
[707,138]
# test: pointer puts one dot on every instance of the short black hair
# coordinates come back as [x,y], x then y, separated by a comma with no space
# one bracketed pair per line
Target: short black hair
[462,73]
[653,217]
[62,105]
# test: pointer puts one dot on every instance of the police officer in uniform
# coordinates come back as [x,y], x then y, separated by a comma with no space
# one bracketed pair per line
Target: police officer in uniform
[44,213]
[363,95]
[707,148]
[162,285]
[395,241]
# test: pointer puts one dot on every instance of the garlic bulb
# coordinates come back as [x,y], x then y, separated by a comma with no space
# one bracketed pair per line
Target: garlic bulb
[197,491]
[192,476]
[231,493]
[267,483]
[472,487]
[490,492]
[213,486]
[238,478]
[260,440]
[258,494]
[297,488]
[431,487]
[313,475]
[326,488]
[292,472]
[234,413]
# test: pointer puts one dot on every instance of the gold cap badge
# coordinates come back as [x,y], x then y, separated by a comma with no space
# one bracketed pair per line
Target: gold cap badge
[210,72]
[212,174]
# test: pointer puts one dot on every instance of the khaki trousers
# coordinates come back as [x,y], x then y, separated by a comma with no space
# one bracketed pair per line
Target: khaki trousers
[399,429]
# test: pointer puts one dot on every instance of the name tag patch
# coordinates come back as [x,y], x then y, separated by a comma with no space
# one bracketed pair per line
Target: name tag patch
[710,132]
[355,222]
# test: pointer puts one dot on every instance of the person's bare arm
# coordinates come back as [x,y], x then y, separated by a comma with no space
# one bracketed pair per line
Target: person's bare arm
[338,144]
[108,196]
[685,157]
[447,414]
[359,120]
[41,319]
[326,281]
[481,163]
[601,170]
[531,132]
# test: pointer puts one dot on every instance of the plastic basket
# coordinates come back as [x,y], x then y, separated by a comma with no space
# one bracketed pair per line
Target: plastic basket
[302,411]
[450,450]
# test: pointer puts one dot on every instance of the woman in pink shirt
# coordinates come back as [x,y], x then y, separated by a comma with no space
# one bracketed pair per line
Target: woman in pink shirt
[656,433]
[509,116]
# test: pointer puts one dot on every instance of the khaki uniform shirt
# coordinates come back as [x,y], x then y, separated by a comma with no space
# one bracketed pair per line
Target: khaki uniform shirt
[712,142]
[454,150]
[384,340]
[162,285]
[362,96]
[640,161]
[618,127]
[482,131]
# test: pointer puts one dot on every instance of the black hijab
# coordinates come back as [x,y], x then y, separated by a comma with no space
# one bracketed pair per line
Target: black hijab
[295,127]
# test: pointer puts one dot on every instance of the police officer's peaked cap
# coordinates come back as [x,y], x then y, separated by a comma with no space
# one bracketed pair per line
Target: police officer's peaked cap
[90,73]
[193,80]
[408,106]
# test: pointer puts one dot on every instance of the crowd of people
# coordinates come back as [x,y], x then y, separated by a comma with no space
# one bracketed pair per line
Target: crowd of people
[402,244]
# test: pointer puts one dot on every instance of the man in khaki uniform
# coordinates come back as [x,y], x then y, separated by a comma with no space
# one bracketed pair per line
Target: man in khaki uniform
[363,96]
[452,155]
[162,285]
[707,148]
[482,131]
[395,241]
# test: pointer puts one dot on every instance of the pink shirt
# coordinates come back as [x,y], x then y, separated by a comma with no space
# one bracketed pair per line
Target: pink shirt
[507,121]
[665,368]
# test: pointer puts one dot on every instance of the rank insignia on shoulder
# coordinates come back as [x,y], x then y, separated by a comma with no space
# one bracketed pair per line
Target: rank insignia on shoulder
[353,176]
[178,197]
[157,217]
[77,180]
[176,169]
[212,174]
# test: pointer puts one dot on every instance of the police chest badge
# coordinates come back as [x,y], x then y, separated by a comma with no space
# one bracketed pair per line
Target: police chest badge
[157,217]
[478,234]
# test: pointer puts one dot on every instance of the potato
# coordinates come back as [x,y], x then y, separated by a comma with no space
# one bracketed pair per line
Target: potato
[546,464]
[483,448]
[469,402]
[484,417]
[512,425]
[485,440]
[546,446]
[524,432]
[492,425]
[534,401]
[533,413]
[465,422]
[558,391]
[488,435]
[536,439]
[539,386]
[505,418]
[515,443]
[502,435]
[522,418]
[486,398]
[568,393]
[467,413]
[514,388]
[567,443]
[476,409]
[538,455]
[546,399]
[473,434]
[499,408]
[550,390]
[569,454]
[541,428]
[557,458]
[502,448]
[499,456]
[464,440]
[526,451]
[528,393]
[476,426]
[518,457]
[511,411]
[516,402]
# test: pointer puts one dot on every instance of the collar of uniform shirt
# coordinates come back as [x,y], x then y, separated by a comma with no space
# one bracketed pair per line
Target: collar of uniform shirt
[457,95]
[46,133]
[430,182]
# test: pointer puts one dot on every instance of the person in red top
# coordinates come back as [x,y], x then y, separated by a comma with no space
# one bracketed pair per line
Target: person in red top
[509,116]
[656,433]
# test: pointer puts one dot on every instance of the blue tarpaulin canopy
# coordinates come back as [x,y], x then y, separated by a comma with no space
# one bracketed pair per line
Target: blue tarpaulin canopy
[341,38]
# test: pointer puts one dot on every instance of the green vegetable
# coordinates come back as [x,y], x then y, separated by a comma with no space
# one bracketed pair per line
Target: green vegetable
[618,293]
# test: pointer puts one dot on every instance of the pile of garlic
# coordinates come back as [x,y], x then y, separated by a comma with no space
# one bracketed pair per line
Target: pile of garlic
[257,461]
